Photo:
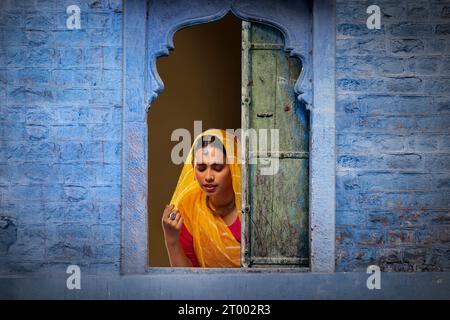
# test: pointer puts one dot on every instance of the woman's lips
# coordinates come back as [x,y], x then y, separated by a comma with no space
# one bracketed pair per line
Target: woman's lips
[210,188]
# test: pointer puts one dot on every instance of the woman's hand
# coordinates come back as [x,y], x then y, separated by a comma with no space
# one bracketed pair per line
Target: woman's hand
[171,227]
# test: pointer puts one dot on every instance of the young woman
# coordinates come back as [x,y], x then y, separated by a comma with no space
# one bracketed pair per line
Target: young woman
[202,224]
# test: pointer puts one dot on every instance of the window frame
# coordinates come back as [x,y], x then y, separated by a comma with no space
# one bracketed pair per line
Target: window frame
[142,85]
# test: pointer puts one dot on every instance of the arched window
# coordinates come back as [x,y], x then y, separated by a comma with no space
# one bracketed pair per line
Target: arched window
[308,31]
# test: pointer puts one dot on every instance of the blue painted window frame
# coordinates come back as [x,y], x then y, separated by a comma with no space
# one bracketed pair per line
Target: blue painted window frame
[141,86]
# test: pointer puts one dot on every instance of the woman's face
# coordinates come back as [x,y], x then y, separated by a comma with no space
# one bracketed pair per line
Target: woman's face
[211,171]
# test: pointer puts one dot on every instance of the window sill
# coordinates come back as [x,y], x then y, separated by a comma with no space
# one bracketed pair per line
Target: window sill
[258,270]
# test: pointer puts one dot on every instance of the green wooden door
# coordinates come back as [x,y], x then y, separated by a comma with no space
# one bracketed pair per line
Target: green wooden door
[275,219]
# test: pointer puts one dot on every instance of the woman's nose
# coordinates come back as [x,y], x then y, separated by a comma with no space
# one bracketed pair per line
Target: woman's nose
[209,177]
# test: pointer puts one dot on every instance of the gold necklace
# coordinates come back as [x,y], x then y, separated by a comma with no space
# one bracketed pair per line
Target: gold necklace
[220,212]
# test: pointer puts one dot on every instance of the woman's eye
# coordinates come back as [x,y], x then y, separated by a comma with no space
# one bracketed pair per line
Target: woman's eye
[218,167]
[201,167]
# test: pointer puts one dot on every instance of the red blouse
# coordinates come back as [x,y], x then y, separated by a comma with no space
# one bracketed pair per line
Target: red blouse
[187,241]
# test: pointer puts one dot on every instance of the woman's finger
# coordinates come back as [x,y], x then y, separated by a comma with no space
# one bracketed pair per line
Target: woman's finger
[169,215]
[174,222]
[175,218]
[179,223]
[168,210]
[166,214]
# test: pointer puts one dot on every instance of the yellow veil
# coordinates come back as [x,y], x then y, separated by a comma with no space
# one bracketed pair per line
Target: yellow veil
[214,244]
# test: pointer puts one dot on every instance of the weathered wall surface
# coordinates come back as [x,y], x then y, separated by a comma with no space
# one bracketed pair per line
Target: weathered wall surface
[60,142]
[392,125]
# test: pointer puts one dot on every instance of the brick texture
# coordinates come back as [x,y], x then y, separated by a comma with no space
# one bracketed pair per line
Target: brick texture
[392,124]
[60,154]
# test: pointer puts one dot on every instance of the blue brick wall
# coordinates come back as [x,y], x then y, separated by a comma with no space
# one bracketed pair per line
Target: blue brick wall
[60,142]
[60,116]
[392,124]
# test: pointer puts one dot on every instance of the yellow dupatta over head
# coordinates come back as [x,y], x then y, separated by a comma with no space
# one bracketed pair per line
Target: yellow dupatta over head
[214,244]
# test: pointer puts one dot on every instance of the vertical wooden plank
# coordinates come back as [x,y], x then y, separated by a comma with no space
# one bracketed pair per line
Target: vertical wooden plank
[285,118]
[263,95]
[291,191]
[262,235]
[291,202]
[302,128]
[245,104]
[291,182]
[263,89]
